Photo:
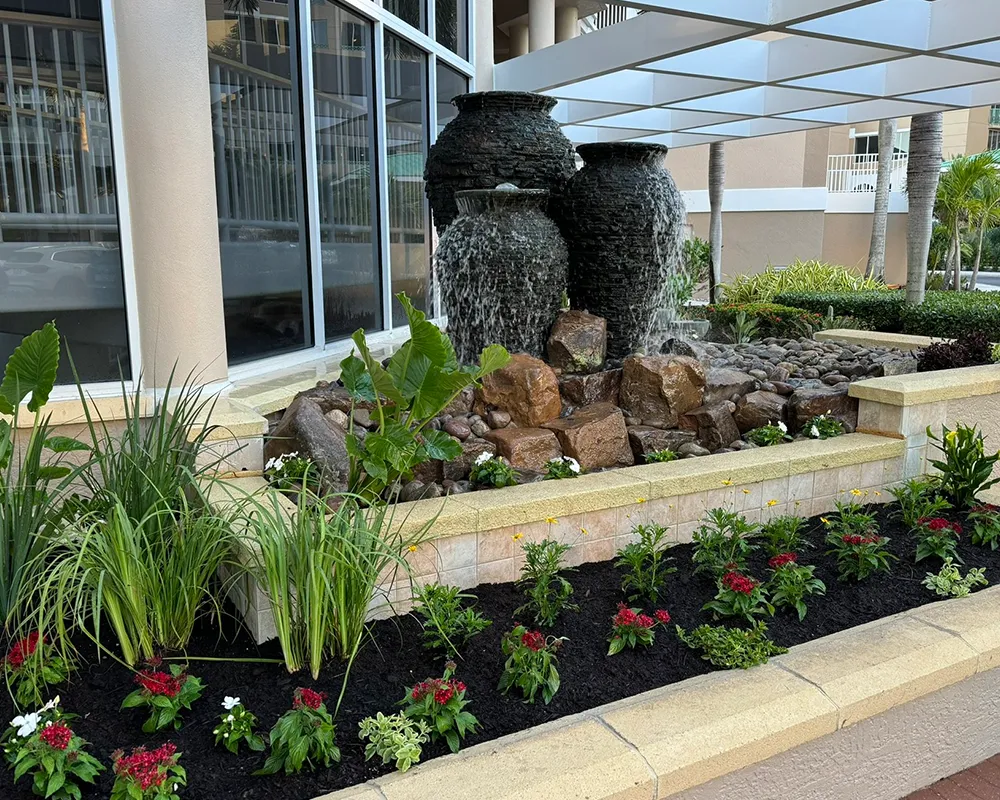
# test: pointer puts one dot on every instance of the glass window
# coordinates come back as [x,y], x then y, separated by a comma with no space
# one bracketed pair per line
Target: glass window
[451,25]
[449,84]
[345,150]
[259,179]
[412,11]
[406,139]
[59,251]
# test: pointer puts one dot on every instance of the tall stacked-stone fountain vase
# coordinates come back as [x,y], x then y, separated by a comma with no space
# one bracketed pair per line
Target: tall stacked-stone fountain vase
[497,137]
[622,217]
[502,269]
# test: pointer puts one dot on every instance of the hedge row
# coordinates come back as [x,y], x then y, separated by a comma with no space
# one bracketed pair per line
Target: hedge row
[945,314]
[772,319]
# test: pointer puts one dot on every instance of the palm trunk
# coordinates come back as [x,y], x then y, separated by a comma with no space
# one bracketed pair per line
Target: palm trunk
[922,174]
[979,256]
[957,279]
[716,189]
[880,216]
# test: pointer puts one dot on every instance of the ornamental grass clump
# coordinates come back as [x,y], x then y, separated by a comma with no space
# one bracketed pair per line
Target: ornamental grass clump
[31,666]
[631,628]
[44,746]
[304,736]
[739,596]
[792,582]
[723,543]
[965,470]
[937,537]
[732,648]
[448,626]
[165,695]
[547,590]
[644,563]
[394,738]
[985,521]
[237,725]
[949,582]
[532,665]
[148,774]
[440,704]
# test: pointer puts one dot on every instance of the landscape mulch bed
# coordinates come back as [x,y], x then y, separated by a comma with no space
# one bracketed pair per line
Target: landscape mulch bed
[395,660]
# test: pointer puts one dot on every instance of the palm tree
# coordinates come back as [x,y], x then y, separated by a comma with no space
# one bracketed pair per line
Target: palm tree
[248,7]
[716,189]
[985,213]
[957,201]
[922,174]
[880,216]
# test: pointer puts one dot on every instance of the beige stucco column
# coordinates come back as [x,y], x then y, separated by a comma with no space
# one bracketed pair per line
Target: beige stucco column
[567,23]
[163,68]
[483,33]
[518,34]
[541,24]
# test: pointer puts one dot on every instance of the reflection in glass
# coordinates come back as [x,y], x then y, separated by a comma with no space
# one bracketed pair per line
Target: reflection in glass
[406,138]
[258,168]
[449,84]
[343,73]
[451,25]
[412,11]
[59,253]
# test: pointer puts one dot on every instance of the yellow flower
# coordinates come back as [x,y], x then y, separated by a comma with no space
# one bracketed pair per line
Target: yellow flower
[413,548]
[584,531]
[950,437]
[727,483]
[517,536]
[856,492]
[772,502]
[824,520]
[670,506]
[640,499]
[551,520]
[878,494]
[746,491]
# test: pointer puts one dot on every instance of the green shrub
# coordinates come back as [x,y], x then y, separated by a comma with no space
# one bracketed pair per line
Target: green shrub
[800,276]
[732,648]
[880,310]
[771,320]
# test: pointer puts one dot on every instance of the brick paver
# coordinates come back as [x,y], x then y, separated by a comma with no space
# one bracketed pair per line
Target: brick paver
[981,782]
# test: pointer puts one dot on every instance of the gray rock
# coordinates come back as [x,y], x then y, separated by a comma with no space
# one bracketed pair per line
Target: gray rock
[758,409]
[811,402]
[692,449]
[337,417]
[758,373]
[498,419]
[305,428]
[458,428]
[479,428]
[459,468]
[598,387]
[643,439]
[833,378]
[899,366]
[714,424]
[721,384]
[417,490]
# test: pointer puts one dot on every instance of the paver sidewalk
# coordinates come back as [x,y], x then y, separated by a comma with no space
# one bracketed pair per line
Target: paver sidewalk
[981,782]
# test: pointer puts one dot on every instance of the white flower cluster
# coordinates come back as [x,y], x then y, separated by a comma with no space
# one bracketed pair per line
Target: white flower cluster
[27,724]
[278,462]
[482,458]
[572,463]
[782,427]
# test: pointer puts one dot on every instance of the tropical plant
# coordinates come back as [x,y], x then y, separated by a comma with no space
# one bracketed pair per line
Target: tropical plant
[745,329]
[440,703]
[304,736]
[165,695]
[984,215]
[956,202]
[723,543]
[631,628]
[492,470]
[792,582]
[970,349]
[421,379]
[547,590]
[923,170]
[732,648]
[966,469]
[448,626]
[645,563]
[322,571]
[949,582]
[237,725]
[394,738]
[799,276]
[532,665]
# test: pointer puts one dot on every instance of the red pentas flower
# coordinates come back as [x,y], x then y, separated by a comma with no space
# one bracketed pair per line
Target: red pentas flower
[22,649]
[662,616]
[146,768]
[308,698]
[940,524]
[740,584]
[56,735]
[625,616]
[855,539]
[782,559]
[442,690]
[160,683]
[985,508]
[533,640]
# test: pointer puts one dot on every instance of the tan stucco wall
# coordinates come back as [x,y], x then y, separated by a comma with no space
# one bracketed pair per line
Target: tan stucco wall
[846,239]
[166,114]
[761,163]
[752,240]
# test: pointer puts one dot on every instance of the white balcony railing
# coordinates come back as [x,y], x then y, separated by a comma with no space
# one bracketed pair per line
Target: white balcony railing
[858,173]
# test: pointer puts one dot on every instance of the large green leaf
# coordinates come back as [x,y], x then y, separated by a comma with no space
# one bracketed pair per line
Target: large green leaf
[380,378]
[393,443]
[65,444]
[31,369]
[6,444]
[427,338]
[439,445]
[491,359]
[356,379]
[428,387]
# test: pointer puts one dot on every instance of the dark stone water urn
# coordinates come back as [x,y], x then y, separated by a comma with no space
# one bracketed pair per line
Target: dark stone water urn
[502,270]
[497,137]
[622,217]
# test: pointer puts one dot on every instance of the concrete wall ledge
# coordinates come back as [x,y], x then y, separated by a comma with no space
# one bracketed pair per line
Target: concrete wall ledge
[920,388]
[673,739]
[901,341]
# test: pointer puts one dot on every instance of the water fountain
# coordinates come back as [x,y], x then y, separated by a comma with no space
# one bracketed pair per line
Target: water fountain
[502,267]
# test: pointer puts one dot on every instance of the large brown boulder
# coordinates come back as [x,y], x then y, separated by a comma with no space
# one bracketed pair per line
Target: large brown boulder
[595,436]
[306,430]
[585,390]
[526,448]
[526,388]
[833,401]
[578,342]
[644,439]
[458,468]
[714,425]
[721,384]
[331,397]
[661,387]
[758,409]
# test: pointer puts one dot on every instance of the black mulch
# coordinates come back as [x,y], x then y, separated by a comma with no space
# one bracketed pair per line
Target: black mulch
[382,673]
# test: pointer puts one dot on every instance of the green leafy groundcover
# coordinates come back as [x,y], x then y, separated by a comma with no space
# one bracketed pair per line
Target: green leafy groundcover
[946,314]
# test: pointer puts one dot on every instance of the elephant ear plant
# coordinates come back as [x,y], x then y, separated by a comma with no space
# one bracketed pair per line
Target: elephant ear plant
[421,379]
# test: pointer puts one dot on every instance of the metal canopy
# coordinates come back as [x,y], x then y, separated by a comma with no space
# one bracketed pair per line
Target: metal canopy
[688,72]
